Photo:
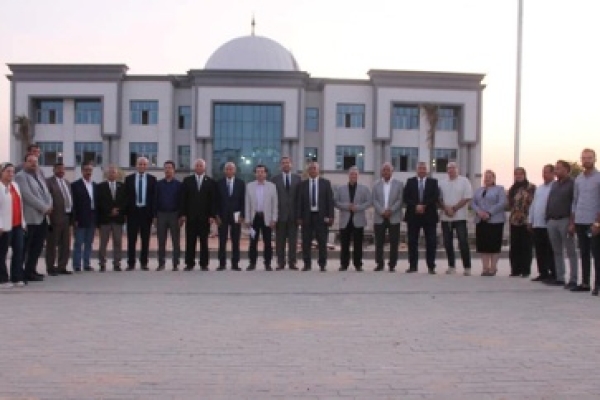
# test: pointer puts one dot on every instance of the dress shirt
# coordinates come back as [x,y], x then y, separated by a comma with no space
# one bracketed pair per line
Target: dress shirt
[230,183]
[586,199]
[387,186]
[312,182]
[167,195]
[64,190]
[260,197]
[144,179]
[537,211]
[89,185]
[199,180]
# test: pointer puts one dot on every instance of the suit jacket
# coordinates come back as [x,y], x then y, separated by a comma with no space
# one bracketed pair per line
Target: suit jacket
[325,200]
[106,203]
[362,201]
[59,215]
[270,202]
[226,204]
[431,197]
[395,201]
[286,199]
[6,214]
[130,190]
[199,205]
[36,197]
[83,214]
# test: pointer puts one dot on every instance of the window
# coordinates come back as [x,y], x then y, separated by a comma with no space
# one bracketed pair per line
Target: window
[350,116]
[88,151]
[184,119]
[405,117]
[441,158]
[311,154]
[311,120]
[349,156]
[143,149]
[183,157]
[144,112]
[404,159]
[88,112]
[246,134]
[447,119]
[50,153]
[49,112]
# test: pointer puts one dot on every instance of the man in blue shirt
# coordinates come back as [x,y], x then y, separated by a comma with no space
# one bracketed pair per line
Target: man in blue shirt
[167,214]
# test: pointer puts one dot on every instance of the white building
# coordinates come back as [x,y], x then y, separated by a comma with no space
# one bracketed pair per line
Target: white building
[250,104]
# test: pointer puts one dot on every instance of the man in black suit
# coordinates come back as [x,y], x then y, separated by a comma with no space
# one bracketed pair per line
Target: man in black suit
[140,188]
[84,217]
[111,216]
[230,215]
[315,215]
[421,197]
[197,211]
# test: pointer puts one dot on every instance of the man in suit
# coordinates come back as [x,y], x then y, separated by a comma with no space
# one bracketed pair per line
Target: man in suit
[230,214]
[141,192]
[84,218]
[197,212]
[387,202]
[352,200]
[421,196]
[262,209]
[315,214]
[37,205]
[286,229]
[59,236]
[111,204]
[168,191]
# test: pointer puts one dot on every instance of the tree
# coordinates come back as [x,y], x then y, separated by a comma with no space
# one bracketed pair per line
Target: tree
[432,115]
[576,169]
[23,129]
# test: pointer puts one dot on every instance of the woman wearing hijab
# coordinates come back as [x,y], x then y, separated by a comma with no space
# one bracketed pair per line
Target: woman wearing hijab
[12,225]
[520,197]
[489,202]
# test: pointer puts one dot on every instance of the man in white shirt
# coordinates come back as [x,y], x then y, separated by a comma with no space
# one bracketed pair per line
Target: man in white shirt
[455,194]
[84,218]
[537,223]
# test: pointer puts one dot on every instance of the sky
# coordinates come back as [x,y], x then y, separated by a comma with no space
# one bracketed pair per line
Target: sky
[335,39]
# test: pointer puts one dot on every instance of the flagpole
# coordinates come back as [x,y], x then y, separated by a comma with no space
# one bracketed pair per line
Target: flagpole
[517,143]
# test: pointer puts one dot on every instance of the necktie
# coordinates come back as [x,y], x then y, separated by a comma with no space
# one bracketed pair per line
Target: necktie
[140,188]
[421,188]
[65,194]
[313,194]
[287,182]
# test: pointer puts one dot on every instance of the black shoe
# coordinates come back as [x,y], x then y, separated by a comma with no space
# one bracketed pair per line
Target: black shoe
[130,268]
[204,269]
[117,268]
[280,268]
[268,268]
[323,269]
[379,268]
[392,269]
[38,274]
[144,268]
[306,268]
[359,269]
[570,285]
[555,283]
[431,271]
[77,270]
[524,275]
[236,268]
[595,291]
[34,278]
[343,269]
[160,268]
[88,269]
[52,272]
[64,272]
[221,268]
[102,268]
[581,288]
[514,275]
[293,268]
[189,268]
[411,271]
[251,267]
[175,268]
[539,279]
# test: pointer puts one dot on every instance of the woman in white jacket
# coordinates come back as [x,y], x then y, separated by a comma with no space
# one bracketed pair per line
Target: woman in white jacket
[12,228]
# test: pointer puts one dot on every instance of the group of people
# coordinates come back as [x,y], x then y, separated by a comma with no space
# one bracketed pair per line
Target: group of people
[35,211]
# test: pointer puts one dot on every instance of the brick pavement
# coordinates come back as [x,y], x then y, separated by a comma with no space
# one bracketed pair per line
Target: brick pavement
[292,335]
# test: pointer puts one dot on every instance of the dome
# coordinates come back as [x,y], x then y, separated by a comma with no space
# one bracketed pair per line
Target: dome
[252,53]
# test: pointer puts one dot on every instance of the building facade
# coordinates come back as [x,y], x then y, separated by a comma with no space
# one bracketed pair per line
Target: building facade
[250,104]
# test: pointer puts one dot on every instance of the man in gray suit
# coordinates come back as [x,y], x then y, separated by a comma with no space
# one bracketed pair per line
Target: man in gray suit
[286,229]
[37,205]
[261,211]
[352,200]
[59,236]
[387,202]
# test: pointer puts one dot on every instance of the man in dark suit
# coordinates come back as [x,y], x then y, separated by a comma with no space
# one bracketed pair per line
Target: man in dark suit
[230,215]
[59,236]
[140,188]
[421,197]
[315,214]
[197,212]
[84,217]
[286,229]
[112,200]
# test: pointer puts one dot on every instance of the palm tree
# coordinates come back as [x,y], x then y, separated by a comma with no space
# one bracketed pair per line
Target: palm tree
[432,114]
[23,129]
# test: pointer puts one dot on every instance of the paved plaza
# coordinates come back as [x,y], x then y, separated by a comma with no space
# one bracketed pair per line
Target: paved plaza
[292,335]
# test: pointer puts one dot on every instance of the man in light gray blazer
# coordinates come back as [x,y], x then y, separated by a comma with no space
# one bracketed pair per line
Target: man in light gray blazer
[352,200]
[387,202]
[261,211]
[286,229]
[37,205]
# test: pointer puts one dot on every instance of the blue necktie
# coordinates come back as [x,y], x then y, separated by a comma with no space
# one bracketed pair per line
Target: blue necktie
[140,188]
[421,189]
